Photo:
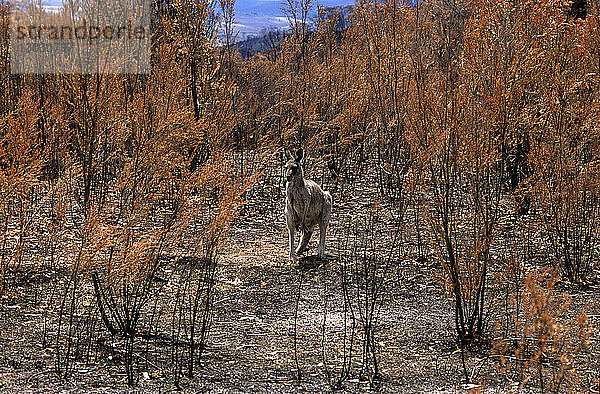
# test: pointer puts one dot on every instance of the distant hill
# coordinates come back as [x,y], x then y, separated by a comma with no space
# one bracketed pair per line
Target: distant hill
[256,17]
[269,37]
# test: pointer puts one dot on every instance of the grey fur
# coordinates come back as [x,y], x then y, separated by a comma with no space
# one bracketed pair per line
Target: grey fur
[306,206]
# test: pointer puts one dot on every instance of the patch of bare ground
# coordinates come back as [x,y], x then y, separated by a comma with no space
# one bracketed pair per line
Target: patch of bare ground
[278,326]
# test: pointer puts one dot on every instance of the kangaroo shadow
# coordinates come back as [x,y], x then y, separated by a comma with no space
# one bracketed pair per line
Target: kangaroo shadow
[311,262]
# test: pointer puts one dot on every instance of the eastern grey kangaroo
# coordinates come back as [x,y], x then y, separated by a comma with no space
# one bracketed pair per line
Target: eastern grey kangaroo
[306,205]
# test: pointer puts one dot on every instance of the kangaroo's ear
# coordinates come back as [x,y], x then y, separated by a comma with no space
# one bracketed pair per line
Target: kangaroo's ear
[299,155]
[288,155]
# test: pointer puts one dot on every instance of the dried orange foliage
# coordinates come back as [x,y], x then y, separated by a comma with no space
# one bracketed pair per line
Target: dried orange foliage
[458,110]
[547,342]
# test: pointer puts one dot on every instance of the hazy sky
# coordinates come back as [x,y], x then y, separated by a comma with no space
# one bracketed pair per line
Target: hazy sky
[273,7]
[256,16]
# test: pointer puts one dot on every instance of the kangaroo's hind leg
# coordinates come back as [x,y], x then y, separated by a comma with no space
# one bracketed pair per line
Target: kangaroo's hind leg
[306,234]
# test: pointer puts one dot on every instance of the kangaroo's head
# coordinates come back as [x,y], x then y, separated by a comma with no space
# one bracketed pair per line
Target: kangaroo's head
[293,167]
